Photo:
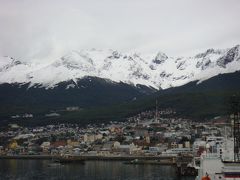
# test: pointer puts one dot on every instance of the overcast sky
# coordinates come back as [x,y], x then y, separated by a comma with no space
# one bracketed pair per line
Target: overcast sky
[49,28]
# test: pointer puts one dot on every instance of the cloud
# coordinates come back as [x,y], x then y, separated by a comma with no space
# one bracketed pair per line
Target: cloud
[44,29]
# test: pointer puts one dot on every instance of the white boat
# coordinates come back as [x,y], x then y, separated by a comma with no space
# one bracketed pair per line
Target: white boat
[54,164]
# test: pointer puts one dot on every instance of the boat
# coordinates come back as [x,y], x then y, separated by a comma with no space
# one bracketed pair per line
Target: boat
[70,160]
[54,163]
[220,164]
[221,159]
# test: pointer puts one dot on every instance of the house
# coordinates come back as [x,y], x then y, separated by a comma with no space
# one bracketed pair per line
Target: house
[76,151]
[73,143]
[13,145]
[108,146]
[103,153]
[126,148]
[128,138]
[45,146]
[13,126]
[116,145]
[187,144]
[89,138]
[154,150]
[141,131]
[24,136]
[98,137]
[58,144]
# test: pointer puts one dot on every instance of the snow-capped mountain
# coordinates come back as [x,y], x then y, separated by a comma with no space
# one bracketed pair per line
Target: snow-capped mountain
[157,70]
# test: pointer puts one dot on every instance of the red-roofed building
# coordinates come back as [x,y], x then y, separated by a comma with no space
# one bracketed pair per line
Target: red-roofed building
[58,144]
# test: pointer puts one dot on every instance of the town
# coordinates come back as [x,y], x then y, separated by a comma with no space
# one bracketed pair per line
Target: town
[148,134]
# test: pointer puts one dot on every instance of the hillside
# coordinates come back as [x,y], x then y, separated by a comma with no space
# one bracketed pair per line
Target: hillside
[198,101]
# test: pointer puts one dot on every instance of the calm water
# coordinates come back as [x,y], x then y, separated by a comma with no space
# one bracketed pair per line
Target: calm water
[100,170]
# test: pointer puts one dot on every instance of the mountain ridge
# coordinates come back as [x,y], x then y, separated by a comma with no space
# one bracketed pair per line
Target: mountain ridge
[156,70]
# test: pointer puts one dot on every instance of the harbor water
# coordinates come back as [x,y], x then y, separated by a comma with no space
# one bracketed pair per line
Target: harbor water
[100,170]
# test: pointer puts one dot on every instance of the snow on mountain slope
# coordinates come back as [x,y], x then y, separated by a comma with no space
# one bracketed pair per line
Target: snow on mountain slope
[157,70]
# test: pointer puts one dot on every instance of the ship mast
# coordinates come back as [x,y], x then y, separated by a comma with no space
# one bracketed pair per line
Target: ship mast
[236,127]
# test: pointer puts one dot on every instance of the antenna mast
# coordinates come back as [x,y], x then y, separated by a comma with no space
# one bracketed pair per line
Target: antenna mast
[156,112]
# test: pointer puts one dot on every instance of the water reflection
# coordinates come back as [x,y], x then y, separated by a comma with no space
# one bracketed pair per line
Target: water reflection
[100,170]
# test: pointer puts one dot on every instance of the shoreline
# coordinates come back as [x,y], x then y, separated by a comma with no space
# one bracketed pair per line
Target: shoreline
[88,157]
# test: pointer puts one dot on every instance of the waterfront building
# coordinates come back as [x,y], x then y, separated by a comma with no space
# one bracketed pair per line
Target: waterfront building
[176,151]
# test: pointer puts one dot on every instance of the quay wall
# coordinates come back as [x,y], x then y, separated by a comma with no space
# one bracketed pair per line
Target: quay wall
[89,157]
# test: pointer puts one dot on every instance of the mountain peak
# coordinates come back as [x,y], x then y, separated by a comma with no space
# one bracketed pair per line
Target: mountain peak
[209,52]
[160,58]
[231,55]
